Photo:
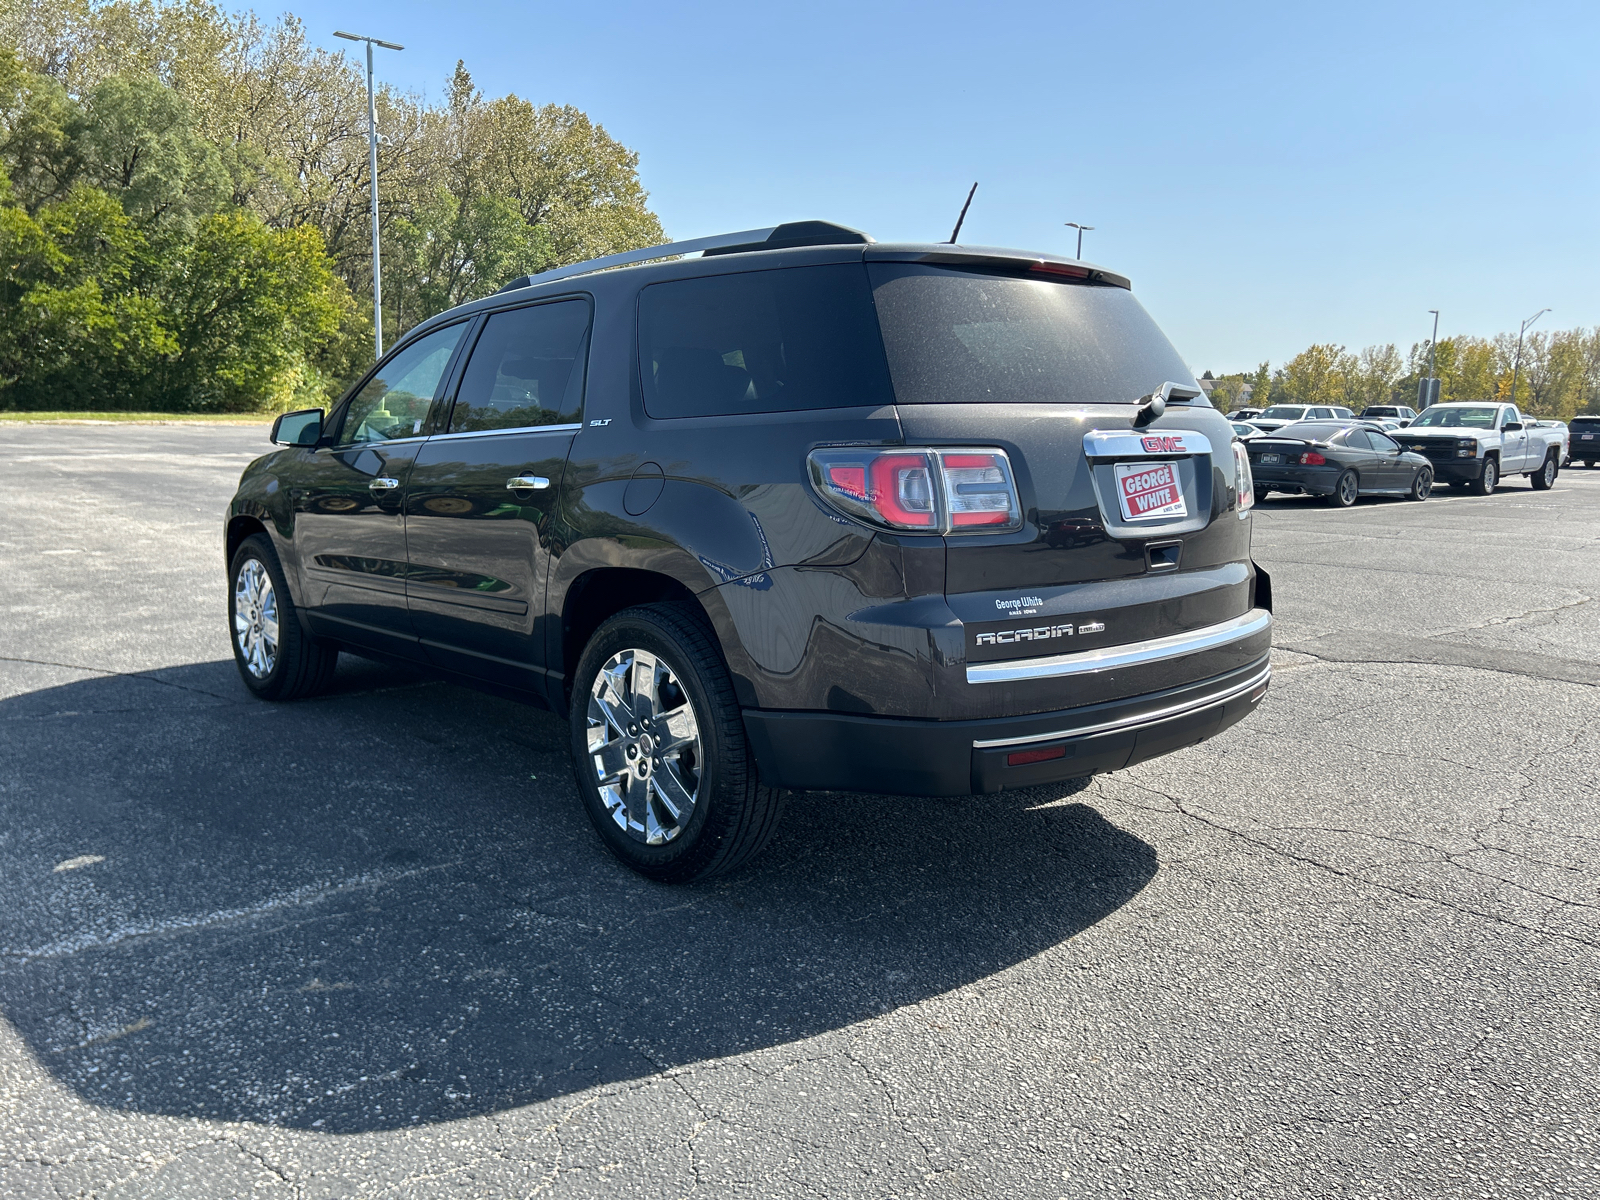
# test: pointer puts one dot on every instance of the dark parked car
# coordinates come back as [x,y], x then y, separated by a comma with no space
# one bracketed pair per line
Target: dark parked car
[1583,440]
[1342,460]
[803,512]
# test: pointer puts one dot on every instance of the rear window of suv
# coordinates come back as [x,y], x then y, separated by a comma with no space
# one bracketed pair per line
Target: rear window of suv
[959,336]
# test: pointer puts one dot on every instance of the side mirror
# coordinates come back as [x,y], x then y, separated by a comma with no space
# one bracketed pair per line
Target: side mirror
[1511,427]
[303,428]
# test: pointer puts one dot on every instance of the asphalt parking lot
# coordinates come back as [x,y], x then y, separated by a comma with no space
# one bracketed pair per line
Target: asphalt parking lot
[367,945]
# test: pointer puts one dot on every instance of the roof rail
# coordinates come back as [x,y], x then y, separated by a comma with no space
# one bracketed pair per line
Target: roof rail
[774,237]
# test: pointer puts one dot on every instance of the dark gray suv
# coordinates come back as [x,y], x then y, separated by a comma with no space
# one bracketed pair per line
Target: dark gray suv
[804,511]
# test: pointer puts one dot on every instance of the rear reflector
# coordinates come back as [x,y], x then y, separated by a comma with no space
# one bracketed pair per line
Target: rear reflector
[1021,758]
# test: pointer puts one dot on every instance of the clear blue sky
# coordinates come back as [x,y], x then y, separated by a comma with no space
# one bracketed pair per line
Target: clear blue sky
[1269,175]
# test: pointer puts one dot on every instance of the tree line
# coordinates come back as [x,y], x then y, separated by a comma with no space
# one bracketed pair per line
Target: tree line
[184,193]
[1557,374]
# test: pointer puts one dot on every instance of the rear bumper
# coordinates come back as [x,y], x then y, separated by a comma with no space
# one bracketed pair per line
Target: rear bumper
[1314,481]
[840,751]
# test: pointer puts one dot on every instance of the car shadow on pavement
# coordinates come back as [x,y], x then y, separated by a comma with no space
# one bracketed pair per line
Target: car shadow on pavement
[384,907]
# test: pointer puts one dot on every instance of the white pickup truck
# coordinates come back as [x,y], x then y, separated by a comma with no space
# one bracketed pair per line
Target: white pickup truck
[1478,445]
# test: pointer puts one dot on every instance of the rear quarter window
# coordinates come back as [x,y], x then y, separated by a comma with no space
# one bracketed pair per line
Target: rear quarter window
[783,340]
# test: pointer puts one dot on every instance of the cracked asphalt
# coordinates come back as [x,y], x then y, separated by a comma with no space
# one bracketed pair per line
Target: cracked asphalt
[367,945]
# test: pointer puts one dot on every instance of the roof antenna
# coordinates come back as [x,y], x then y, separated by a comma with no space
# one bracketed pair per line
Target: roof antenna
[956,232]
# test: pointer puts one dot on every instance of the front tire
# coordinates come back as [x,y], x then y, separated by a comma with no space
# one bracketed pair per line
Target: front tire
[1485,484]
[1422,485]
[276,657]
[1346,492]
[659,749]
[1545,476]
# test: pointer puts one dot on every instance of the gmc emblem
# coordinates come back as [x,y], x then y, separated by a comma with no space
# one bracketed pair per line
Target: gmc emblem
[1162,445]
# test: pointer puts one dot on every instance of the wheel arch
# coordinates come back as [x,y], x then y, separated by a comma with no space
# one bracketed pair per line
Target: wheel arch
[240,526]
[600,592]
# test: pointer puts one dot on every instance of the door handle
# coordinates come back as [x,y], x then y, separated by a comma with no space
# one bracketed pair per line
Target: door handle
[526,482]
[382,485]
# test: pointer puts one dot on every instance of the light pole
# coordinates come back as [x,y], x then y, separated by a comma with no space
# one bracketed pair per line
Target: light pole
[1082,229]
[1433,345]
[1517,368]
[372,166]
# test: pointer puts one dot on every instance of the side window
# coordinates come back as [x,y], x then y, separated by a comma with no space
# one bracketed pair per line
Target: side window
[526,369]
[393,403]
[1321,413]
[761,341]
[1356,439]
[1383,443]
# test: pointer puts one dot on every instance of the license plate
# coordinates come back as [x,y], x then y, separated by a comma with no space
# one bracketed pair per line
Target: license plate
[1586,436]
[1271,458]
[1147,490]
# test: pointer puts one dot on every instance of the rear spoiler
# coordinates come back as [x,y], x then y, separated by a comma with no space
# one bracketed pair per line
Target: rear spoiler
[1043,265]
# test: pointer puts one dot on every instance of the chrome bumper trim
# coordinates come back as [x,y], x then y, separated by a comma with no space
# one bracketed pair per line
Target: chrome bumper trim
[1108,658]
[1259,680]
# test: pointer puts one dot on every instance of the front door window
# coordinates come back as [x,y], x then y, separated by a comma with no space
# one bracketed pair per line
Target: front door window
[394,402]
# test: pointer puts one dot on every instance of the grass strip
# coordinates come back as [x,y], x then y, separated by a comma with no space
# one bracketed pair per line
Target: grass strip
[139,418]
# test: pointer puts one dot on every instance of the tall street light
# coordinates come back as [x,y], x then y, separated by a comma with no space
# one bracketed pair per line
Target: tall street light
[372,166]
[1517,369]
[1082,229]
[1433,345]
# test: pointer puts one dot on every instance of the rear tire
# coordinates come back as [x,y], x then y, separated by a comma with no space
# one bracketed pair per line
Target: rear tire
[1422,485]
[277,658]
[1485,484]
[1262,493]
[659,749]
[1545,476]
[1346,492]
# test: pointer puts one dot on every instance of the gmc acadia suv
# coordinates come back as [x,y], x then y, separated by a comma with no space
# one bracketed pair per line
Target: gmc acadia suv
[803,512]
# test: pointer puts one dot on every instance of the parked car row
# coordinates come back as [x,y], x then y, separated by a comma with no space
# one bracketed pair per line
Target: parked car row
[1466,445]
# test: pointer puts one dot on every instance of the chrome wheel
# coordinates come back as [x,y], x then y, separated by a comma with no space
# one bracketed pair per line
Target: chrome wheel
[1423,488]
[255,618]
[644,746]
[1349,490]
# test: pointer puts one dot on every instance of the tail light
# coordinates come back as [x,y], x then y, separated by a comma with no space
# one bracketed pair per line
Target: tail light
[1312,459]
[928,491]
[1244,480]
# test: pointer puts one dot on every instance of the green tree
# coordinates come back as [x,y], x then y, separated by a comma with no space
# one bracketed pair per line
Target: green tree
[1316,375]
[453,252]
[137,141]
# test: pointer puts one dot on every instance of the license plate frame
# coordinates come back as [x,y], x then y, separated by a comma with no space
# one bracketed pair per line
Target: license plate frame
[1153,487]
